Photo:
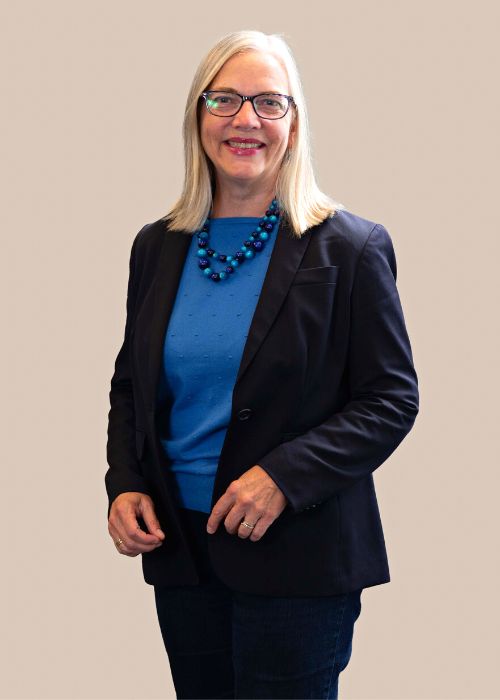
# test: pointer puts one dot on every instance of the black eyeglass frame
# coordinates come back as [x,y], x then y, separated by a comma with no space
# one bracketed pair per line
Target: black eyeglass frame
[244,98]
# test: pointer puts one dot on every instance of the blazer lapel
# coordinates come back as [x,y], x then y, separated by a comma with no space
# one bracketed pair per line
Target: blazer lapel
[283,263]
[172,257]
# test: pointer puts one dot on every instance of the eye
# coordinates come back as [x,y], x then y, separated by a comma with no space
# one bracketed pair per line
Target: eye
[224,98]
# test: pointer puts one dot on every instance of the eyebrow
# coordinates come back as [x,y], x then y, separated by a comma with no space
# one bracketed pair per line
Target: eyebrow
[230,89]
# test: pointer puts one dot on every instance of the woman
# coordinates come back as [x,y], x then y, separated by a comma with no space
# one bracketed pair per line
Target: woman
[265,373]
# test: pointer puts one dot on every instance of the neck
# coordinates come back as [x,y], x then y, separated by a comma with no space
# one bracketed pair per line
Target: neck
[239,203]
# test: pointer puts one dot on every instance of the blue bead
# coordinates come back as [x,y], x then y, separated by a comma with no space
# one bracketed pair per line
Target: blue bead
[222,275]
[203,235]
[258,245]
[201,253]
[229,258]
[207,271]
[273,218]
[229,270]
[264,236]
[240,256]
[268,227]
[203,263]
[244,248]
[249,254]
[215,276]
[234,263]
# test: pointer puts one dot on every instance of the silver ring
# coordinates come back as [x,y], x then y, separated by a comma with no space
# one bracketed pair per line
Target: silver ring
[244,522]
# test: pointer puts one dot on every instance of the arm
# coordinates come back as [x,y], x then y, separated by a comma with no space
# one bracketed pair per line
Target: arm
[124,472]
[383,406]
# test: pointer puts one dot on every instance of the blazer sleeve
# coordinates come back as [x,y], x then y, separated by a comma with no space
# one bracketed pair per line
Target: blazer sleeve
[384,398]
[124,472]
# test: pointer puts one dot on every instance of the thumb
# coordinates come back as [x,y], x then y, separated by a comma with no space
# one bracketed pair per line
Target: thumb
[149,516]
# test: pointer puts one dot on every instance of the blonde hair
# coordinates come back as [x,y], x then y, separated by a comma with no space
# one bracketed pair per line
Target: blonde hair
[302,203]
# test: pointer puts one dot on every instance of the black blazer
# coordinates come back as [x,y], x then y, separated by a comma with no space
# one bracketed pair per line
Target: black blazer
[325,392]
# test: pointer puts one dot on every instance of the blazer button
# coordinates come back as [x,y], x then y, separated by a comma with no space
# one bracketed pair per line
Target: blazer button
[245,413]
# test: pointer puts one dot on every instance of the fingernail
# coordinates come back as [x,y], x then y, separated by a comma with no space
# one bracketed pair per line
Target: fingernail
[210,529]
[160,532]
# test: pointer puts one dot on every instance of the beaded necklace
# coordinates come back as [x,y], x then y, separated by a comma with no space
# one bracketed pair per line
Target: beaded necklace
[253,245]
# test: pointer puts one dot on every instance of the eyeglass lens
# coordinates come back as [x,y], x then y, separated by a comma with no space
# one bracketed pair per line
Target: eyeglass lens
[267,105]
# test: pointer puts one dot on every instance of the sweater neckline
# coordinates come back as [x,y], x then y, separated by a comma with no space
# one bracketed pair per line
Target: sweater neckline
[237,219]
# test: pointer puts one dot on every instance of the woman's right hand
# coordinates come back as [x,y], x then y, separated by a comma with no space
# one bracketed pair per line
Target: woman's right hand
[123,524]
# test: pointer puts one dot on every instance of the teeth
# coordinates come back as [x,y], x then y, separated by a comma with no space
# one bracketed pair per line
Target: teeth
[237,144]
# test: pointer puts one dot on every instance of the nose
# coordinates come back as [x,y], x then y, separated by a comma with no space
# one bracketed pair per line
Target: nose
[246,116]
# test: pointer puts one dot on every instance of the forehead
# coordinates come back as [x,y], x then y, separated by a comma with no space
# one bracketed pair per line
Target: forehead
[252,71]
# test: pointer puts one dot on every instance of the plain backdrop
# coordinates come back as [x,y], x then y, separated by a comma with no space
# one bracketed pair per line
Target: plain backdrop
[403,102]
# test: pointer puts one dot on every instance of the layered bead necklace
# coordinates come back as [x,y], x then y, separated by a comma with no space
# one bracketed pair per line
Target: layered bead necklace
[254,244]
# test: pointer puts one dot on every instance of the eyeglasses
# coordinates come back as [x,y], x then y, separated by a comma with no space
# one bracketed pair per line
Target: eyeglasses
[267,105]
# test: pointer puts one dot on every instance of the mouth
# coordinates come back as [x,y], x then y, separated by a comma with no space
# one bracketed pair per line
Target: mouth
[244,144]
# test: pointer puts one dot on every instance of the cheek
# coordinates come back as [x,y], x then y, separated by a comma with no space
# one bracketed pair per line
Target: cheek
[280,139]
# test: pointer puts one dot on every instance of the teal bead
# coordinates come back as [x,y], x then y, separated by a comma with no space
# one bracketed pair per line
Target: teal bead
[253,245]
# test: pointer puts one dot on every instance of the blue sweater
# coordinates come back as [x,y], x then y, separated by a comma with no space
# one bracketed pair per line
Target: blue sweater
[203,346]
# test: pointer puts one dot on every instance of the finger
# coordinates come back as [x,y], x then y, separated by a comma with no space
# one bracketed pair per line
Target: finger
[219,510]
[260,529]
[236,516]
[127,547]
[118,540]
[150,519]
[132,532]
[243,531]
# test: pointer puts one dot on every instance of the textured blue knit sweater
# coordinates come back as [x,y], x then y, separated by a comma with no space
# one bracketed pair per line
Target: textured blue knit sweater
[203,346]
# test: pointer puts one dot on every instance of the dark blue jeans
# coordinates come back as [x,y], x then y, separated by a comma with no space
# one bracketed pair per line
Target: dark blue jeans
[227,644]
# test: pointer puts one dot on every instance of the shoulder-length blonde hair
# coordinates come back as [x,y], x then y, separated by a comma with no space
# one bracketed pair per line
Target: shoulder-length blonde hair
[302,203]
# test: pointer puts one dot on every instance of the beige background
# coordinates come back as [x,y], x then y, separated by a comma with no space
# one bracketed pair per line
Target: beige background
[403,98]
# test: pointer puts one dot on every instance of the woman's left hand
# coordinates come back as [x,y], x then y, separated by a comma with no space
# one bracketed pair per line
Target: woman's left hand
[255,498]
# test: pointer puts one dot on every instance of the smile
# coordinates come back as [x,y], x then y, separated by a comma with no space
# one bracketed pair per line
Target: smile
[244,144]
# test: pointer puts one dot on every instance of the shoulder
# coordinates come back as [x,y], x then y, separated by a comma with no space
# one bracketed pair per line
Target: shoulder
[148,243]
[150,237]
[351,231]
[352,239]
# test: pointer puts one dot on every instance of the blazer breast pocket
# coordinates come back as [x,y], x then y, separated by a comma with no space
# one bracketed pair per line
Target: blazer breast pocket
[316,275]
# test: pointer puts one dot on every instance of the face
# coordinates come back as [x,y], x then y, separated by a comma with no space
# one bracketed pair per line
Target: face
[248,74]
